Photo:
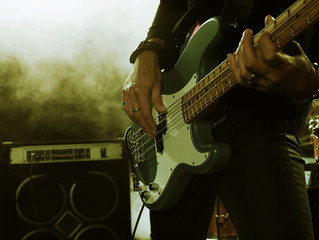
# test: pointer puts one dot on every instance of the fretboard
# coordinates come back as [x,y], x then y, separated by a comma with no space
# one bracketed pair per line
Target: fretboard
[220,81]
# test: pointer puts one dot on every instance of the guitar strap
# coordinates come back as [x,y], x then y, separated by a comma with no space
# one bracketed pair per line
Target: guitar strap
[234,16]
[177,38]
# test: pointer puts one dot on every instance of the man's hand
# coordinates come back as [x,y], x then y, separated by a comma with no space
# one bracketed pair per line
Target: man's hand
[288,73]
[142,83]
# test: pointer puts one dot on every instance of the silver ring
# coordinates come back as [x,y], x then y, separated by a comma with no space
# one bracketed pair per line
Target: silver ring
[135,110]
[124,103]
[253,80]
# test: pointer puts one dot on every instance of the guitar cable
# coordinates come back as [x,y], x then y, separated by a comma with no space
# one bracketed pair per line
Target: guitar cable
[137,221]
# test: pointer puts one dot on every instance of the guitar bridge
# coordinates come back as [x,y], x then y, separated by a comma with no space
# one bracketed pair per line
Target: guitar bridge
[135,145]
[135,148]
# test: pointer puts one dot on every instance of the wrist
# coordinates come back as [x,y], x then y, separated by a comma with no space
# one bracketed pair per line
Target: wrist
[147,57]
[152,45]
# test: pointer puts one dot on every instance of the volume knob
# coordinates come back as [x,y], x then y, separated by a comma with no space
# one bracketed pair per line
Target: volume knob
[154,187]
[146,195]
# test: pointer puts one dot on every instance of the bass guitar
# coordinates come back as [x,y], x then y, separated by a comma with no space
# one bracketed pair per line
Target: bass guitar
[163,165]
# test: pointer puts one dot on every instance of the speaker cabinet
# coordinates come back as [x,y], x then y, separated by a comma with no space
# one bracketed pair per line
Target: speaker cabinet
[68,191]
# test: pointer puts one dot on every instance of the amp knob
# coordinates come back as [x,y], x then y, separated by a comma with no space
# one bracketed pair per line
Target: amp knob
[154,187]
[146,195]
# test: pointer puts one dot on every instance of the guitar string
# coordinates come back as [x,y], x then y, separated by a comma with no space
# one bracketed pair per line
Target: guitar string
[226,69]
[228,76]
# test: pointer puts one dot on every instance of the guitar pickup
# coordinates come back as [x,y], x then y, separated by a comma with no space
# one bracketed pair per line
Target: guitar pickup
[161,130]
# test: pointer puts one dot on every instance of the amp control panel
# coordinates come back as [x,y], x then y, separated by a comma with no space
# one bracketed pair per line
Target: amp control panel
[66,152]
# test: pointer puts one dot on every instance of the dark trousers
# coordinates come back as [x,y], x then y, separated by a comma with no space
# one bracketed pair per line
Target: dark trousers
[263,190]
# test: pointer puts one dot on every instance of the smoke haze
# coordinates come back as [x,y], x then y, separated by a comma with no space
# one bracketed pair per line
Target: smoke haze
[63,64]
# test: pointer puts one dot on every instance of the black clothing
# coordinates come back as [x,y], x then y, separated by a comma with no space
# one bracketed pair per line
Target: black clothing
[263,190]
[263,187]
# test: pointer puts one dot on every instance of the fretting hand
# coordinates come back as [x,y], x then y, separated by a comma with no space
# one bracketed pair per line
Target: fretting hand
[288,73]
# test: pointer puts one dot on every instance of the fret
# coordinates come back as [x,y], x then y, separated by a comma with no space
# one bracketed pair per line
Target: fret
[208,89]
[206,103]
[222,84]
[186,115]
[216,91]
[210,94]
[289,23]
[230,80]
[276,34]
[211,76]
[189,105]
[278,42]
[292,32]
[308,19]
[213,90]
[190,110]
[192,113]
[213,85]
[226,79]
[196,109]
[219,86]
[222,77]
[195,103]
[192,99]
[195,89]
[203,99]
[221,70]
[197,97]
[228,74]
[205,90]
[202,94]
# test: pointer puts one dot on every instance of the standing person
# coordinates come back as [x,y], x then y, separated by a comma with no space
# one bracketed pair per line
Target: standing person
[263,185]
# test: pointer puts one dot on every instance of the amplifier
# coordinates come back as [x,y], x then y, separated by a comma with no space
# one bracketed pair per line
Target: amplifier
[65,191]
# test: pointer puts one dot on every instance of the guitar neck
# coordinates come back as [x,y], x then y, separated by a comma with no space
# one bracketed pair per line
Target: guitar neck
[220,81]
